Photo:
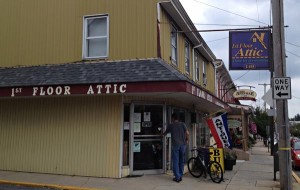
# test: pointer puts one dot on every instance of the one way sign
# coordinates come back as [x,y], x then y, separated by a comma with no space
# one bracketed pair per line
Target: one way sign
[282,88]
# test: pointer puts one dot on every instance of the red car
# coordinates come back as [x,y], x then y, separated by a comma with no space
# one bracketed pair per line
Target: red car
[295,153]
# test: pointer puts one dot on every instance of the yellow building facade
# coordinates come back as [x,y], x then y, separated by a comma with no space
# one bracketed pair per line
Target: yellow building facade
[87,86]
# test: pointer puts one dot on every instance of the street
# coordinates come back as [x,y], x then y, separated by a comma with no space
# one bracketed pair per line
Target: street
[297,172]
[17,187]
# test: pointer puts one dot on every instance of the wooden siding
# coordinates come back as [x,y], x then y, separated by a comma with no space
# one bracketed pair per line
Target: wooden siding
[36,32]
[181,53]
[210,78]
[73,135]
[165,43]
[165,37]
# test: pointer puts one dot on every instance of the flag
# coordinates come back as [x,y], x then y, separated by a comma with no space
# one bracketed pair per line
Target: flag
[219,129]
[252,128]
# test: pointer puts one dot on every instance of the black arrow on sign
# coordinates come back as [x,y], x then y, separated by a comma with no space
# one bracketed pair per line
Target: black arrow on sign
[282,94]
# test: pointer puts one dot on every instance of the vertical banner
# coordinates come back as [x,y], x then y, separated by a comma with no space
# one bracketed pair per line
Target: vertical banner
[250,50]
[217,154]
[219,129]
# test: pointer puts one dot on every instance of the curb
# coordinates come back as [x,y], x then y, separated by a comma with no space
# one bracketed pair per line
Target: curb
[46,185]
[296,177]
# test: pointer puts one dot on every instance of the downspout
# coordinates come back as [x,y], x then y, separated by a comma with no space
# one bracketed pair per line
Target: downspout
[216,66]
[216,83]
[158,30]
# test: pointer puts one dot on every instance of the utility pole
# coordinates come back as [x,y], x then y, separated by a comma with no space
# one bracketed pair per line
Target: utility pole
[265,90]
[281,104]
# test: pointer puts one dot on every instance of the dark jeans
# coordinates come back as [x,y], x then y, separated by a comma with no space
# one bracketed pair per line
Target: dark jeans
[178,153]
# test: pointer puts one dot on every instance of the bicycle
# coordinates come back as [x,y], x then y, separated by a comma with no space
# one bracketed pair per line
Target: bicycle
[202,164]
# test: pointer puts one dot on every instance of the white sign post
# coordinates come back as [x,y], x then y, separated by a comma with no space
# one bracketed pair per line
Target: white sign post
[282,88]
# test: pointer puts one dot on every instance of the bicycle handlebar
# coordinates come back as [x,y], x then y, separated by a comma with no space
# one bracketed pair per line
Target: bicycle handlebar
[201,150]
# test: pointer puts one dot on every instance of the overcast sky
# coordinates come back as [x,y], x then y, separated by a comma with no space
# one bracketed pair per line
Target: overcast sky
[244,14]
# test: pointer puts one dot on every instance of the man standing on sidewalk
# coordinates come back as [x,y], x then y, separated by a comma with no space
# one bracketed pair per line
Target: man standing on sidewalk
[179,137]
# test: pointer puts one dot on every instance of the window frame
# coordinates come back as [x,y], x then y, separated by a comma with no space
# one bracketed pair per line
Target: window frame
[204,75]
[197,64]
[86,38]
[187,57]
[175,46]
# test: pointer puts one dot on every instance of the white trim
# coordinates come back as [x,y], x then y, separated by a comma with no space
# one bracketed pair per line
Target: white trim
[85,38]
[204,73]
[158,12]
[163,138]
[197,74]
[122,138]
[205,81]
[216,82]
[194,63]
[176,52]
[131,133]
[187,45]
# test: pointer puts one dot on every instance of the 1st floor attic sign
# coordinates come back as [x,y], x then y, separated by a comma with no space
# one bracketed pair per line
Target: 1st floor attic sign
[64,90]
[249,50]
[184,89]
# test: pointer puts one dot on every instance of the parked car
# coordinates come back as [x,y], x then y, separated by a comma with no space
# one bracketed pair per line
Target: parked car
[295,153]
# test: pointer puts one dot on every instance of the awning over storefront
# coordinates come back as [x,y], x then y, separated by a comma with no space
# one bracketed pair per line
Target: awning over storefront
[237,108]
[140,77]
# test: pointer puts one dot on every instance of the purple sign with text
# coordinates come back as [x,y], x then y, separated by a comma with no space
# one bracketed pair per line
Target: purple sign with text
[250,50]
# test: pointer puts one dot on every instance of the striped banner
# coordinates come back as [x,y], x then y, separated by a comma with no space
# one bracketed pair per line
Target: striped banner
[219,129]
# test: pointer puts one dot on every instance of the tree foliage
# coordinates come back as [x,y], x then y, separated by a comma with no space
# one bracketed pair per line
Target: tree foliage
[261,119]
[295,130]
[296,118]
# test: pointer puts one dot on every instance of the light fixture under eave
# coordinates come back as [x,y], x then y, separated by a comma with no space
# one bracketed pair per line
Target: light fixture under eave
[218,63]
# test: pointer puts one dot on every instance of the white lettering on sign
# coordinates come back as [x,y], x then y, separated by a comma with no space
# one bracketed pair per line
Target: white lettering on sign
[58,90]
[108,86]
[198,92]
[15,91]
[193,89]
[222,133]
[66,90]
[106,89]
[123,88]
[91,91]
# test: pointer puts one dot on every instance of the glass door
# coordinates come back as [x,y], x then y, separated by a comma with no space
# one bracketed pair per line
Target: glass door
[147,154]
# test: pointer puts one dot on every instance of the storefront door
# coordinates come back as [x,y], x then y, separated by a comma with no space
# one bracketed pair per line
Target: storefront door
[147,150]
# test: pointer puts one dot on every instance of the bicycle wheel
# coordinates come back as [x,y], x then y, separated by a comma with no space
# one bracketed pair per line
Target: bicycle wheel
[195,167]
[215,172]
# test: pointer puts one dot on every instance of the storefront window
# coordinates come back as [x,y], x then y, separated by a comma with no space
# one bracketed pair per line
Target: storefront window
[201,135]
[148,119]
[147,143]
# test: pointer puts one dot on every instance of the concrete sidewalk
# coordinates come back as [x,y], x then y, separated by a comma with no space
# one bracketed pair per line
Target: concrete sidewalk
[256,174]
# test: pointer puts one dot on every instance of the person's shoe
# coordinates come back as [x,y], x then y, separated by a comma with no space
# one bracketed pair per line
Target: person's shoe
[176,180]
[180,179]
